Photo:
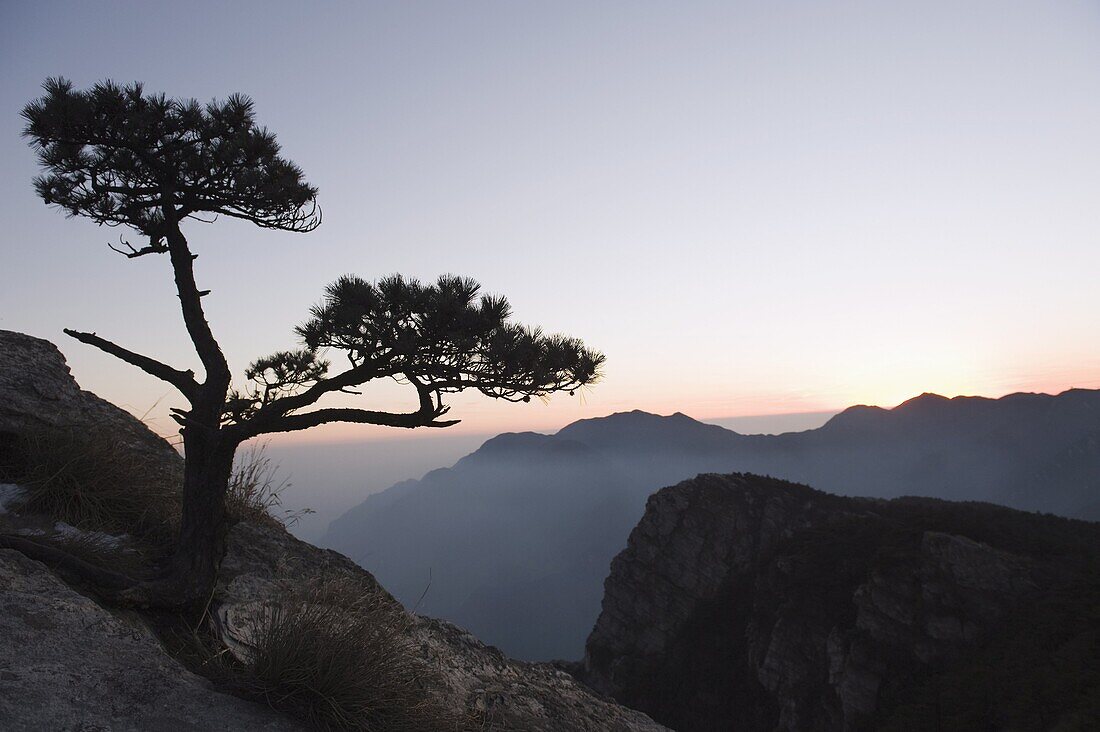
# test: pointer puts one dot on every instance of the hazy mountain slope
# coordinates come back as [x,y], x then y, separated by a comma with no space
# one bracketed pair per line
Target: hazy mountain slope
[522,528]
[518,535]
[1004,450]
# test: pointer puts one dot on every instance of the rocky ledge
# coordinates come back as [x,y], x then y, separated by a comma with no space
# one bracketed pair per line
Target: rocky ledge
[750,603]
[69,663]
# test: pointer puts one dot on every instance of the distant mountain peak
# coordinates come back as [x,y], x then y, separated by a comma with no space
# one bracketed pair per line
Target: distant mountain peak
[511,442]
[647,431]
[855,416]
[634,416]
[522,446]
[511,439]
[927,397]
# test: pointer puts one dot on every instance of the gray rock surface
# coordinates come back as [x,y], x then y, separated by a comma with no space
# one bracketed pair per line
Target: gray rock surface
[37,391]
[68,664]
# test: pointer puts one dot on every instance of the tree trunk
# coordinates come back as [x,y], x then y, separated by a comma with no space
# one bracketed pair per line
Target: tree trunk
[208,449]
[203,526]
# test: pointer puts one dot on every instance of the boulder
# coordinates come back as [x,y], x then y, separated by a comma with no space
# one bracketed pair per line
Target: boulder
[38,392]
[68,664]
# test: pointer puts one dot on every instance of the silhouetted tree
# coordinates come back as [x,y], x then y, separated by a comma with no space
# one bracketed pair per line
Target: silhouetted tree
[124,158]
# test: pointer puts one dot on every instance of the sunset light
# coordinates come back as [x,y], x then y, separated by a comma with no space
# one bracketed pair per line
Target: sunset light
[576,366]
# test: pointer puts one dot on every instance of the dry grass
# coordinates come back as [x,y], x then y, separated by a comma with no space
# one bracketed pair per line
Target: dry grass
[338,657]
[255,490]
[96,482]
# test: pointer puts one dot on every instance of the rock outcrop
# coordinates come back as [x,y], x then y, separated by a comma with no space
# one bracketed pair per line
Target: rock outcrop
[38,392]
[68,664]
[750,603]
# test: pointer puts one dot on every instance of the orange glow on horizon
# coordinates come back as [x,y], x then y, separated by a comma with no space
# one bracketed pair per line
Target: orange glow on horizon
[486,418]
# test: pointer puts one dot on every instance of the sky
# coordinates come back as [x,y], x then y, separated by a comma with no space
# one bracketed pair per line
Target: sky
[751,208]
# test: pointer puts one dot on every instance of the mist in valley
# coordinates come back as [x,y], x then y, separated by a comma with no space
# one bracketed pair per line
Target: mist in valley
[325,479]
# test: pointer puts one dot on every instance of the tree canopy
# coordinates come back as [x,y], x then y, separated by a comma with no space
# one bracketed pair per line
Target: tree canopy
[120,156]
[440,338]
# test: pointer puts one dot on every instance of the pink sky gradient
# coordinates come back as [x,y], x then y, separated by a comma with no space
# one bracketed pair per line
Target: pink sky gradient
[751,208]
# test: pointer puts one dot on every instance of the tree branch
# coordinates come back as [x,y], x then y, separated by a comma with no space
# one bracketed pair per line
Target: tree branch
[154,247]
[67,564]
[299,222]
[182,380]
[425,392]
[355,376]
[295,422]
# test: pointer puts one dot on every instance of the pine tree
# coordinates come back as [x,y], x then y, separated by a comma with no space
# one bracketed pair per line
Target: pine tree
[121,157]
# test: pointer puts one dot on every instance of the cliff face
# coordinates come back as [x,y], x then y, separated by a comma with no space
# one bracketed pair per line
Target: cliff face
[750,603]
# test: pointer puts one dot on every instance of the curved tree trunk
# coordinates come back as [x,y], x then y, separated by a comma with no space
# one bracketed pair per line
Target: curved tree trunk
[208,449]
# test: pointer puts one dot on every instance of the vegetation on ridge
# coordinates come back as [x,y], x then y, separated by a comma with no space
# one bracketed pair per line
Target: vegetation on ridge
[96,482]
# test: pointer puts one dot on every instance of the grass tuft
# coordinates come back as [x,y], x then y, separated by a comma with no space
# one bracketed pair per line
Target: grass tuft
[340,658]
[255,490]
[96,482]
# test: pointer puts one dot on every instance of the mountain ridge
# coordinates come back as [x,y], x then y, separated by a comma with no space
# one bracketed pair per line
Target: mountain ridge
[528,516]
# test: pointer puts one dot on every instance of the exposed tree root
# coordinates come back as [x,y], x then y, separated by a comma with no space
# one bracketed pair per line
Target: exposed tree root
[116,588]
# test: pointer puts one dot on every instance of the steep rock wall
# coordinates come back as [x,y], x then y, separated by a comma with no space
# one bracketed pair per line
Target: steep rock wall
[744,602]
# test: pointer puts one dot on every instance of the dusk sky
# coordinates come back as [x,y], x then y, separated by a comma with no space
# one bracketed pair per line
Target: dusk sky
[751,208]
